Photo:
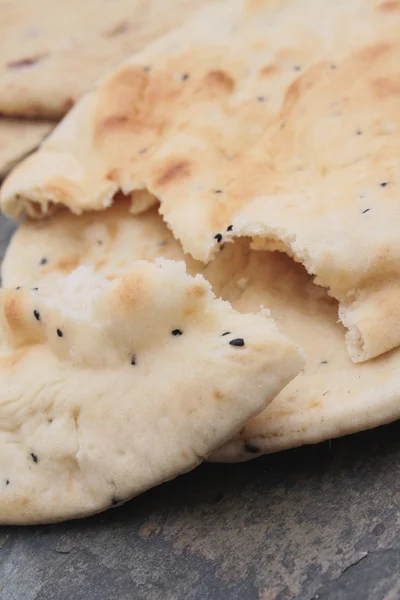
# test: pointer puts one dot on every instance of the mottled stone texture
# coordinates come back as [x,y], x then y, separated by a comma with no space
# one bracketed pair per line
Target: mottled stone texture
[319,522]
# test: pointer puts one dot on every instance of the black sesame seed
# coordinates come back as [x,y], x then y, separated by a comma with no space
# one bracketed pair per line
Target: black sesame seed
[252,448]
[384,183]
[324,362]
[297,67]
[229,228]
[365,210]
[226,333]
[217,191]
[133,359]
[358,132]
[43,261]
[332,67]
[185,76]
[100,242]
[35,289]
[237,342]
[34,457]
[218,237]
[59,333]
[7,482]
[260,98]
[18,288]
[177,332]
[36,315]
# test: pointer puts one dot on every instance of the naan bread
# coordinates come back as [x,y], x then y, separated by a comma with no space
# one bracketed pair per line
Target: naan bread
[110,388]
[52,52]
[18,138]
[331,397]
[281,118]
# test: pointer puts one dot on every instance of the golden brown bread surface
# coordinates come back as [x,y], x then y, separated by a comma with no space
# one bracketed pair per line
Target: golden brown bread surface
[281,118]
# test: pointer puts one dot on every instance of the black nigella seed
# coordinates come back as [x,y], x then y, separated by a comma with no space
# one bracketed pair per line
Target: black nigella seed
[7,482]
[185,76]
[260,98]
[229,228]
[384,183]
[217,191]
[177,332]
[36,315]
[59,333]
[34,457]
[365,210]
[324,362]
[147,69]
[35,289]
[332,66]
[297,67]
[142,150]
[133,359]
[43,261]
[226,333]
[237,342]
[358,132]
[18,288]
[218,237]
[252,448]
[100,242]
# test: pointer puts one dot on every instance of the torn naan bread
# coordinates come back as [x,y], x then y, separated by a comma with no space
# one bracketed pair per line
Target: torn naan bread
[53,52]
[281,118]
[331,397]
[110,388]
[19,137]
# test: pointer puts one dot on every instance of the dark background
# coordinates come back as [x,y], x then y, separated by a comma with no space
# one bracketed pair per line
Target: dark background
[319,522]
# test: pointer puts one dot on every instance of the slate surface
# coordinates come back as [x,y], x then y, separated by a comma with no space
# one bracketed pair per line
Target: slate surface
[320,522]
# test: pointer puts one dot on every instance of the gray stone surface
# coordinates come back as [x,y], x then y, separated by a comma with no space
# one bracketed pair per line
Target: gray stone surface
[319,522]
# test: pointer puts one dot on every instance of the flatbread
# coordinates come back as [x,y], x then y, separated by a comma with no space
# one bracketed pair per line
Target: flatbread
[281,115]
[52,52]
[18,138]
[110,388]
[331,397]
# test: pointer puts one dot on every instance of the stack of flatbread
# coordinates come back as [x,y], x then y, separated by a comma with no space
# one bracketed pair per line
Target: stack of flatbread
[208,265]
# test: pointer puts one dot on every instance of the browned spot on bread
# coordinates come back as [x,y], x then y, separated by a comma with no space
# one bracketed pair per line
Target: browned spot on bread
[122,27]
[13,311]
[220,79]
[198,290]
[114,120]
[385,86]
[112,230]
[131,291]
[389,6]
[373,52]
[29,61]
[99,264]
[174,172]
[65,264]
[315,404]
[68,103]
[269,70]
